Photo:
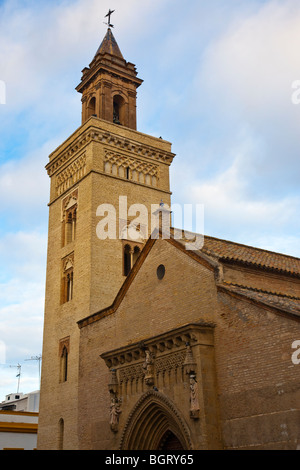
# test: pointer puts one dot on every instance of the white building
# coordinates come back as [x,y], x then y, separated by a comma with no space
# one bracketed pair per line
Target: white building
[19,421]
[21,402]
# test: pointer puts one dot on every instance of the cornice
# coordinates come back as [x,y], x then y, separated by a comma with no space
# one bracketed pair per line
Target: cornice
[62,156]
[109,68]
[193,333]
[257,266]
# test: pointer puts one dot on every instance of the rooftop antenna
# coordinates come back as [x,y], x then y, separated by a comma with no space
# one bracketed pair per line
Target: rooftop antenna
[37,358]
[18,375]
[110,12]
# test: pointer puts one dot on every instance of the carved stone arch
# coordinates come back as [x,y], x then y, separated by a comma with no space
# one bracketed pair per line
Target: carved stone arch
[153,417]
[117,92]
[120,108]
[91,106]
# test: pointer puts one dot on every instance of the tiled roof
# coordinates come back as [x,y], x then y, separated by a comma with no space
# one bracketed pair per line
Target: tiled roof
[109,44]
[286,303]
[225,250]
[231,251]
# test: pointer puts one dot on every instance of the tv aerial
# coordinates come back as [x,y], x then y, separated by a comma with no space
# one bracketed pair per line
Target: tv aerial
[18,375]
[39,359]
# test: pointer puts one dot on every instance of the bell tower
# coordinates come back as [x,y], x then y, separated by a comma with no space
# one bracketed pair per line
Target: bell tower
[105,164]
[109,84]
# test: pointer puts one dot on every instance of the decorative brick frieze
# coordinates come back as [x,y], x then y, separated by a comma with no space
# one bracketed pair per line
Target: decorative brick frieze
[71,175]
[131,168]
[147,362]
[97,135]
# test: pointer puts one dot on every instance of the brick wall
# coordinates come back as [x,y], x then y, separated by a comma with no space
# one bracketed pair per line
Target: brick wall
[78,165]
[256,382]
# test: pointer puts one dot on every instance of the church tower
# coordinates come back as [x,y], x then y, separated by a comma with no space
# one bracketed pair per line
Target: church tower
[108,86]
[98,175]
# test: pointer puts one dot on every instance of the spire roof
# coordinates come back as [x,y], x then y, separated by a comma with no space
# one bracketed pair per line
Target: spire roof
[109,45]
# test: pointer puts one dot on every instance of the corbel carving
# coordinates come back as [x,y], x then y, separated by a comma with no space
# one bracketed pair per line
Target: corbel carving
[190,368]
[189,365]
[148,367]
[115,401]
[194,401]
[115,412]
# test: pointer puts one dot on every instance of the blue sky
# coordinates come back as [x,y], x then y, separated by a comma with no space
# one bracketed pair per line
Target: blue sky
[217,83]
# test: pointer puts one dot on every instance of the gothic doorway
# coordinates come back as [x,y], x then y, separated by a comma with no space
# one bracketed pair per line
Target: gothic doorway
[170,442]
[155,424]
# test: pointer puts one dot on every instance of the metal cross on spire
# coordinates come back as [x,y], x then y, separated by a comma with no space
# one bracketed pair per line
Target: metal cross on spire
[110,12]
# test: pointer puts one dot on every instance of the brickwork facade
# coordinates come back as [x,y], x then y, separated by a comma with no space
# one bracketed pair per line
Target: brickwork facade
[147,344]
[248,387]
[99,163]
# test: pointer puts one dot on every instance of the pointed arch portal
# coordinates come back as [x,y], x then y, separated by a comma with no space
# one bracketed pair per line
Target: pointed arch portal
[155,424]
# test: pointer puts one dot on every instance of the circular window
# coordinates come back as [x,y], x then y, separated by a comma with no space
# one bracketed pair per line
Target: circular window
[160,271]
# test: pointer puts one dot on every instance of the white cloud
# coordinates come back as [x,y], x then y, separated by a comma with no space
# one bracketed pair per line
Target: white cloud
[226,199]
[247,75]
[255,61]
[241,155]
[21,328]
[22,294]
[24,185]
[57,39]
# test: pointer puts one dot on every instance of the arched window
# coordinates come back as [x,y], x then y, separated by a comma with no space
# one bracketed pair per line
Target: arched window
[118,111]
[127,260]
[91,107]
[68,228]
[74,219]
[136,253]
[61,430]
[69,286]
[64,364]
[67,278]
[64,346]
[130,255]
[69,221]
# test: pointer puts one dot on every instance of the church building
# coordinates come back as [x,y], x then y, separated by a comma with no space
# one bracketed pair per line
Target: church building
[149,344]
